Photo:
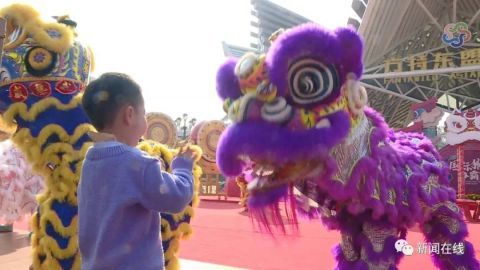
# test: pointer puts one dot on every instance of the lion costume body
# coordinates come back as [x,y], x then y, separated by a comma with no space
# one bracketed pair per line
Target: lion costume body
[301,122]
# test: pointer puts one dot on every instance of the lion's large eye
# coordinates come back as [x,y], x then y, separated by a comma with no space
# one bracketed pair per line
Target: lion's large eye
[311,81]
[40,61]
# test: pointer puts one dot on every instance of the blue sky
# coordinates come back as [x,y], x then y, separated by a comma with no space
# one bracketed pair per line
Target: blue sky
[173,48]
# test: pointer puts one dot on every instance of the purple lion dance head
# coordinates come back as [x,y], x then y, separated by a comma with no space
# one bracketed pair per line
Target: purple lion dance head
[290,107]
[302,133]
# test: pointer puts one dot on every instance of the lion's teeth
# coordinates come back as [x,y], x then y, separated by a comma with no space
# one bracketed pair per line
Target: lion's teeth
[324,123]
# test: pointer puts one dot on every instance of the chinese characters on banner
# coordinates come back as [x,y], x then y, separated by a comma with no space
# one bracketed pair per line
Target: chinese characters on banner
[471,172]
[438,60]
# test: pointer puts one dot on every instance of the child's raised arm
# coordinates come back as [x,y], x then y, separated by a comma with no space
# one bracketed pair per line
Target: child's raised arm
[165,192]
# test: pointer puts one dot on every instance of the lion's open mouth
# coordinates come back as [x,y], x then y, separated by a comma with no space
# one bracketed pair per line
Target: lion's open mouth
[266,176]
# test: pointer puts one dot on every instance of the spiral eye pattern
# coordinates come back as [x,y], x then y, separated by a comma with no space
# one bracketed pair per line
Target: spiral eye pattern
[40,61]
[311,81]
[277,111]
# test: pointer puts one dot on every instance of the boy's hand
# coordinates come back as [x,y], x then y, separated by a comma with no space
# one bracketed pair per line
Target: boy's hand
[185,151]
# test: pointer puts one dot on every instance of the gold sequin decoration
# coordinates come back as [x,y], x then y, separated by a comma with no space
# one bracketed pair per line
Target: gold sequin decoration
[450,205]
[392,196]
[453,206]
[376,191]
[451,223]
[429,210]
[382,265]
[431,184]
[377,236]
[347,247]
[405,198]
[408,172]
[349,153]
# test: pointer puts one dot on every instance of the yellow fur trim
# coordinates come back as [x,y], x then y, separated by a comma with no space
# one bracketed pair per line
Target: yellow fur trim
[29,19]
[91,56]
[78,262]
[56,250]
[166,230]
[173,264]
[195,148]
[185,230]
[39,107]
[50,263]
[156,150]
[188,211]
[9,129]
[25,140]
[198,151]
[61,182]
[172,251]
[36,260]
[52,218]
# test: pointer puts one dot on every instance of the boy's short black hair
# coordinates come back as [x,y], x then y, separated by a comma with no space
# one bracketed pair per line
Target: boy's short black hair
[104,96]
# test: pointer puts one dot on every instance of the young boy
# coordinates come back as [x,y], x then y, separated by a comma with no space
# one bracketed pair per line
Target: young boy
[121,189]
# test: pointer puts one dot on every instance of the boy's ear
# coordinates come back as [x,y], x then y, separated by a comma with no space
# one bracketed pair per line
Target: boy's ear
[128,113]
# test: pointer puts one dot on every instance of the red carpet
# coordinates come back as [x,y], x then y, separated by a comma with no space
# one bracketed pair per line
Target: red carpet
[224,235]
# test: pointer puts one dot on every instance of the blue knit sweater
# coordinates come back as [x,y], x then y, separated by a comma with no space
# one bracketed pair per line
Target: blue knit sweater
[120,194]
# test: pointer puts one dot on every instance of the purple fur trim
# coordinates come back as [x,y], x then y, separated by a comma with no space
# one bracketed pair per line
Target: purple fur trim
[391,152]
[437,228]
[264,199]
[384,255]
[351,49]
[311,214]
[343,264]
[466,260]
[268,214]
[276,144]
[342,48]
[228,85]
